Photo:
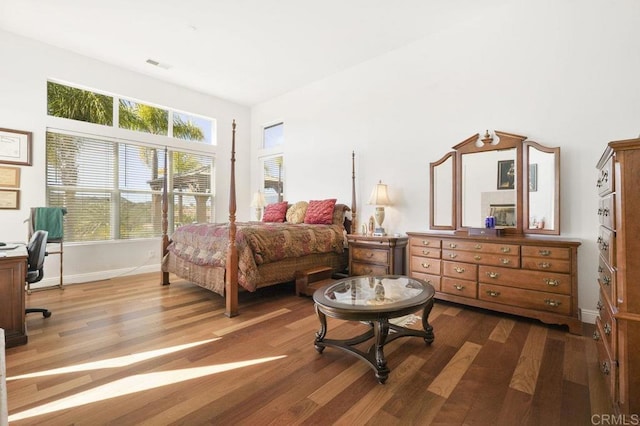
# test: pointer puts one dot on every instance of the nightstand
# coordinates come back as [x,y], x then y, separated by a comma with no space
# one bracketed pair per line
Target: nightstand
[376,255]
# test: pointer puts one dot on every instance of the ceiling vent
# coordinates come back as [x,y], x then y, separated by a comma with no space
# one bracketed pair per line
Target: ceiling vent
[158,64]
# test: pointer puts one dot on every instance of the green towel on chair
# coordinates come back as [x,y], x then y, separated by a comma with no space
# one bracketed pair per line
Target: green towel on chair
[50,219]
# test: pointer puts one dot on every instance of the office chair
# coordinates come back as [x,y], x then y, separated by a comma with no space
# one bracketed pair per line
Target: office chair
[36,251]
[50,219]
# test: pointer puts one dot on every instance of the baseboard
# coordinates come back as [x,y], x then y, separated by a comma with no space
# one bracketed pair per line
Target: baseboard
[96,276]
[588,316]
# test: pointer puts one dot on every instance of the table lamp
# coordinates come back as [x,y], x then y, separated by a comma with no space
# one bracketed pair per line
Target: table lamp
[379,198]
[258,203]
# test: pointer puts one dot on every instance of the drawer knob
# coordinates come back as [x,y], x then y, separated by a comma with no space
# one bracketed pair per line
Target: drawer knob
[458,287]
[604,367]
[493,293]
[544,252]
[544,265]
[477,257]
[607,329]
[477,246]
[458,269]
[453,255]
[596,335]
[552,282]
[425,242]
[505,249]
[425,265]
[552,303]
[505,261]
[492,274]
[453,245]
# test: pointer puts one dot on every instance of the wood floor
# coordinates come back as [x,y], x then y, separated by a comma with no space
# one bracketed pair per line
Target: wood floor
[130,351]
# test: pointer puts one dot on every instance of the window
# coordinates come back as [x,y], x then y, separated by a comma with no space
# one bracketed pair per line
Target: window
[113,189]
[273,136]
[273,179]
[110,184]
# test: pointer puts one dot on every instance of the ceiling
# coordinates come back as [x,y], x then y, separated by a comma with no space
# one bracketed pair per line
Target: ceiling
[244,51]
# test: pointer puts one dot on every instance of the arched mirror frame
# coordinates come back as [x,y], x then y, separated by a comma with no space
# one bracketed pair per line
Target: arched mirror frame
[530,228]
[505,141]
[433,168]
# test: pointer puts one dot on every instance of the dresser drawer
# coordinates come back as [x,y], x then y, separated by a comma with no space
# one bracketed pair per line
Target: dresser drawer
[463,271]
[481,258]
[549,265]
[531,280]
[464,288]
[605,183]
[475,246]
[606,362]
[606,278]
[431,252]
[433,243]
[609,326]
[606,242]
[359,268]
[605,211]
[370,255]
[546,252]
[425,265]
[434,280]
[540,300]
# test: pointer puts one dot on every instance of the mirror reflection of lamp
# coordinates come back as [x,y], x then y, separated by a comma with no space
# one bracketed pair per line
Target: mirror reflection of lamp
[379,198]
[258,203]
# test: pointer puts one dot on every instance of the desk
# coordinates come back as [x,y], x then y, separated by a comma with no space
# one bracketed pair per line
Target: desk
[13,270]
[374,300]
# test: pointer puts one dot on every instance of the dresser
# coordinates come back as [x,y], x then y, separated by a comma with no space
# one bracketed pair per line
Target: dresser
[618,325]
[370,255]
[13,270]
[535,277]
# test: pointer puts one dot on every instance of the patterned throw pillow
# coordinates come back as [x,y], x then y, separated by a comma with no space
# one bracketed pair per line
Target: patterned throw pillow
[338,213]
[320,211]
[275,212]
[296,212]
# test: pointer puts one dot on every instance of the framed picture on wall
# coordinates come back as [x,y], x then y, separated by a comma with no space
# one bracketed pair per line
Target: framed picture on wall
[15,147]
[9,199]
[9,177]
[506,174]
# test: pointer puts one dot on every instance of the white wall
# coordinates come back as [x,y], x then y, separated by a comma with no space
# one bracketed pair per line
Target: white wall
[563,73]
[25,67]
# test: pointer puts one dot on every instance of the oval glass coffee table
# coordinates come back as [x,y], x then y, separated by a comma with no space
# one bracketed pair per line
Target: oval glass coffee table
[374,300]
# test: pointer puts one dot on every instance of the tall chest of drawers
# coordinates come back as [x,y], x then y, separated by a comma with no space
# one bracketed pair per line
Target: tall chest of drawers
[618,326]
[527,276]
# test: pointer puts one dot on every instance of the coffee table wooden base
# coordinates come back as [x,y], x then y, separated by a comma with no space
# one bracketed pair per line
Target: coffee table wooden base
[379,331]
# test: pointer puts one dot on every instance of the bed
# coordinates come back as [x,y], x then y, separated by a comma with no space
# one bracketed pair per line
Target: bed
[229,257]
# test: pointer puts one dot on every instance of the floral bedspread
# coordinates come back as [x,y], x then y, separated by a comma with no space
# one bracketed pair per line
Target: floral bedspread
[257,243]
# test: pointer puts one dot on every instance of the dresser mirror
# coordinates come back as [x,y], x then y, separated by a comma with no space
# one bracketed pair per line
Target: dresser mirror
[516,182]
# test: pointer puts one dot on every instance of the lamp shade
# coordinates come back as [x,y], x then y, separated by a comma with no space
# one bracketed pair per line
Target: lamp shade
[379,195]
[258,200]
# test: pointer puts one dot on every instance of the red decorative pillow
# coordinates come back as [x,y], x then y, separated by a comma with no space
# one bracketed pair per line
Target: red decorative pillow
[275,212]
[320,211]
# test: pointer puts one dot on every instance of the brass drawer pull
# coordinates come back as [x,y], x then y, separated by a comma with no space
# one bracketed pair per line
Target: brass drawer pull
[606,280]
[599,212]
[552,282]
[544,265]
[453,255]
[492,274]
[477,246]
[552,303]
[605,247]
[599,305]
[426,252]
[596,335]
[607,329]
[369,255]
[425,265]
[599,183]
[477,257]
[600,269]
[453,245]
[505,261]
[458,269]
[605,212]
[505,249]
[544,252]
[493,293]
[605,368]
[425,242]
[458,287]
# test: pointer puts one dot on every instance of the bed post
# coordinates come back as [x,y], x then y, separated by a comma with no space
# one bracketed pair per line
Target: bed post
[165,221]
[354,225]
[231,273]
